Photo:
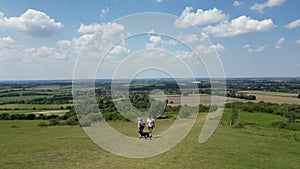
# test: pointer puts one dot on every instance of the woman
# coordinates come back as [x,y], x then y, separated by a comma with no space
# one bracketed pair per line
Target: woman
[141,126]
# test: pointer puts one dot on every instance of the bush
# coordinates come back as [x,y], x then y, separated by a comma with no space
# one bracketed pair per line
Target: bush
[94,117]
[42,124]
[293,126]
[108,116]
[233,117]
[72,120]
[279,124]
[85,123]
[30,116]
[184,114]
[239,125]
[213,108]
[41,117]
[52,116]
[68,114]
[54,122]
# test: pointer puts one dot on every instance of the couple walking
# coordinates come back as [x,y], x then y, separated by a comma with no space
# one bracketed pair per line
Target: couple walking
[141,125]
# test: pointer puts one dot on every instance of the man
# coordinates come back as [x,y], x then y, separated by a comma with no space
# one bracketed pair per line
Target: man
[151,125]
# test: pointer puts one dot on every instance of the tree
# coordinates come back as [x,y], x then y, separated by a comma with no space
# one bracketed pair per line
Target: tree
[291,116]
[30,116]
[157,108]
[72,120]
[54,122]
[233,117]
[185,112]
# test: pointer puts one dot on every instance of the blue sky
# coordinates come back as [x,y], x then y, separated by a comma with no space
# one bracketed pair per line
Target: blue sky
[253,38]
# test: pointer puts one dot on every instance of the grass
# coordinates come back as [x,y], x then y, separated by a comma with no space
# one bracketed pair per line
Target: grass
[29,146]
[199,94]
[19,123]
[32,106]
[258,118]
[18,111]
[17,98]
[270,93]
[166,95]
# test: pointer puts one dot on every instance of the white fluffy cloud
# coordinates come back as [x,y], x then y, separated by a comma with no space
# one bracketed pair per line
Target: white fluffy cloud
[298,41]
[184,55]
[43,52]
[87,29]
[293,24]
[155,39]
[155,42]
[8,49]
[32,22]
[269,4]
[237,3]
[7,42]
[279,43]
[239,26]
[107,31]
[104,12]
[191,39]
[119,49]
[218,48]
[200,17]
[254,49]
[188,38]
[70,49]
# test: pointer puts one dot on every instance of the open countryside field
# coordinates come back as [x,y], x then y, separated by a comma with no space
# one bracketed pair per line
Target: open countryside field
[252,142]
[273,97]
[47,109]
[33,106]
[41,97]
[23,145]
[191,100]
[18,98]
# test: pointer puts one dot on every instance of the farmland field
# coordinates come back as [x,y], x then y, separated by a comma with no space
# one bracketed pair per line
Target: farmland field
[259,138]
[274,97]
[190,100]
[32,106]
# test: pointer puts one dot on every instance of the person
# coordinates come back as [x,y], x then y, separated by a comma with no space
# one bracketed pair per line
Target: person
[151,125]
[141,126]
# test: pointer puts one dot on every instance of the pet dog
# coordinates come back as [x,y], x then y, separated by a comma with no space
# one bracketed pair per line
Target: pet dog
[144,134]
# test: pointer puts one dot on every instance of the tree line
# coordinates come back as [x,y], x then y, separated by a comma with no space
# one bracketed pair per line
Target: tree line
[240,95]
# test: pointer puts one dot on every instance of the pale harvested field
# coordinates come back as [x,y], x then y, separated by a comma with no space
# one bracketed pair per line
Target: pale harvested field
[193,100]
[273,97]
[50,112]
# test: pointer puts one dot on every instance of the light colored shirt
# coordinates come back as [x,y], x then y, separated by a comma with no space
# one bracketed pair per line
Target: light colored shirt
[150,122]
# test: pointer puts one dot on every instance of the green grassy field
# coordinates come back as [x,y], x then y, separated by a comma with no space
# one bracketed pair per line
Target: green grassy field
[256,118]
[32,106]
[17,98]
[23,145]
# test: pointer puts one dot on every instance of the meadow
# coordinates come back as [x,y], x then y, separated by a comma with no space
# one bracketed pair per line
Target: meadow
[252,142]
[24,145]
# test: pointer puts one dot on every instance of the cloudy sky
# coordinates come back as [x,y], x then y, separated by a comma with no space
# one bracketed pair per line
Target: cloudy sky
[45,39]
